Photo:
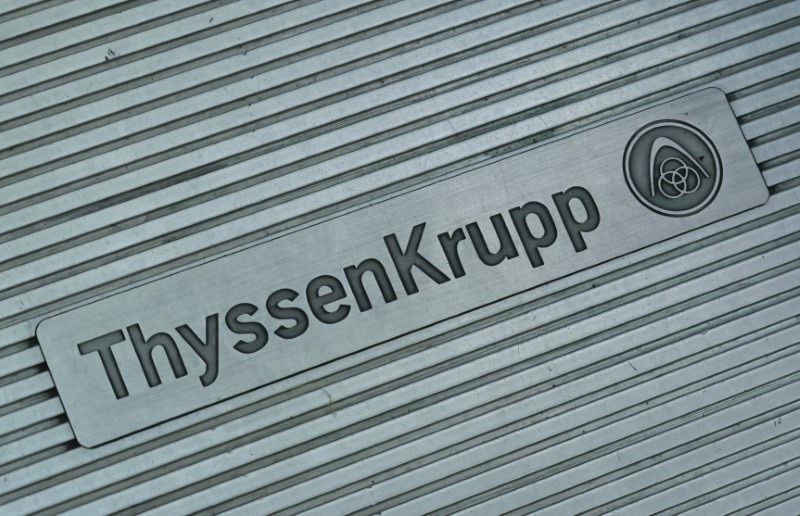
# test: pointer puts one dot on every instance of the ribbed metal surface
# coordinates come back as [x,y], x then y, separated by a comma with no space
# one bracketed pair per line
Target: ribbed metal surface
[139,137]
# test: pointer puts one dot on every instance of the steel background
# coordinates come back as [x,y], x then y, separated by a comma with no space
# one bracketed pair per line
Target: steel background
[139,137]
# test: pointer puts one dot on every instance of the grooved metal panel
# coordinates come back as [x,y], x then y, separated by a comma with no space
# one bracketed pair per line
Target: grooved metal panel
[140,137]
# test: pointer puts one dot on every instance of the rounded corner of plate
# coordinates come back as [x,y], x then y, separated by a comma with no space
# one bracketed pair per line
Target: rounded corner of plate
[82,440]
[764,196]
[40,326]
[716,90]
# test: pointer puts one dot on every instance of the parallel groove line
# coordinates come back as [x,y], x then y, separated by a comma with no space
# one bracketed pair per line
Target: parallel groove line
[775,134]
[620,444]
[330,99]
[761,476]
[38,456]
[47,439]
[17,347]
[29,9]
[780,160]
[27,431]
[419,403]
[694,473]
[261,95]
[160,101]
[698,472]
[69,23]
[772,108]
[28,416]
[769,502]
[755,104]
[28,357]
[762,85]
[136,82]
[675,452]
[121,60]
[104,39]
[381,81]
[240,211]
[27,401]
[779,178]
[529,391]
[732,459]
[22,374]
[24,392]
[11,393]
[561,437]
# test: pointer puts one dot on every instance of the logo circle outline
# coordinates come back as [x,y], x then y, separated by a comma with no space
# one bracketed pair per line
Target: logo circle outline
[699,134]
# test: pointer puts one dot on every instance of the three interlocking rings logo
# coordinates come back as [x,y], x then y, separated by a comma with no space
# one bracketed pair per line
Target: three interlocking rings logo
[672,168]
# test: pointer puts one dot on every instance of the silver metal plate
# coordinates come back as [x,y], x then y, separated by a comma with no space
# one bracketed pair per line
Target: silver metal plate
[205,334]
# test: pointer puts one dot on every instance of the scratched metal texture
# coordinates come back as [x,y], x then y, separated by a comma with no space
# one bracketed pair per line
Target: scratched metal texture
[140,136]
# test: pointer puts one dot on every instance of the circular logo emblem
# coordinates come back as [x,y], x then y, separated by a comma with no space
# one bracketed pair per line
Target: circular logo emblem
[672,168]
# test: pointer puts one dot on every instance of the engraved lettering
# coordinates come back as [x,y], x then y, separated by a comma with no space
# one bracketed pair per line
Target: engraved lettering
[507,249]
[318,299]
[531,243]
[449,243]
[405,260]
[102,345]
[208,351]
[575,228]
[355,278]
[254,328]
[288,313]
[144,351]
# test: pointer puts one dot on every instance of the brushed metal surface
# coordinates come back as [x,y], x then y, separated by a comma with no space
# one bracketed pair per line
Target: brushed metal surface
[186,341]
[141,138]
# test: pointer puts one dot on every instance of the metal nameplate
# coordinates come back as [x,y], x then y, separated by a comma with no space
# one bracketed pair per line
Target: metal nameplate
[228,326]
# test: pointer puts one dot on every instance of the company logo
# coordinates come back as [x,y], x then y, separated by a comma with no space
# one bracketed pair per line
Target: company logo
[672,168]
